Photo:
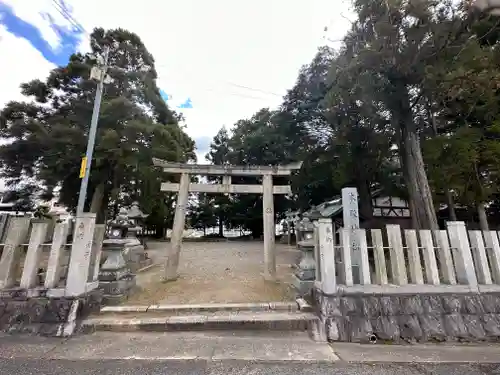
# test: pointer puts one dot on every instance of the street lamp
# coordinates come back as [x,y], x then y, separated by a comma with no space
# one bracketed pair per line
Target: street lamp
[489,6]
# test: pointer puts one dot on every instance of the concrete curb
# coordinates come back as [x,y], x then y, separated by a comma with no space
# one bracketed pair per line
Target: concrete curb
[416,353]
[272,321]
[205,308]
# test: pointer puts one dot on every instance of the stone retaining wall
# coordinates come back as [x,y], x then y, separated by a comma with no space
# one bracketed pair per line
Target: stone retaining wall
[361,317]
[20,313]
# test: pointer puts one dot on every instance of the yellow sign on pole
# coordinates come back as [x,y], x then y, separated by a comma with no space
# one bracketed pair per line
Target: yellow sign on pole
[83,167]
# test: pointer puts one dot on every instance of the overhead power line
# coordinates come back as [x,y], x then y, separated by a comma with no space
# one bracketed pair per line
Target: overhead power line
[253,89]
[63,11]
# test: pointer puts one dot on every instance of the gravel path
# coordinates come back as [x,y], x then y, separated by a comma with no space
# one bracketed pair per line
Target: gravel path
[216,272]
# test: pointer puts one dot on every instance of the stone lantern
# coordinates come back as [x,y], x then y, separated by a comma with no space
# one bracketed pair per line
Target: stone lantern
[123,255]
[136,215]
[306,269]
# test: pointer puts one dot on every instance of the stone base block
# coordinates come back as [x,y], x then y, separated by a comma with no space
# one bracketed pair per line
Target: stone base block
[303,274]
[145,262]
[358,317]
[117,287]
[42,315]
[112,300]
[112,275]
[302,287]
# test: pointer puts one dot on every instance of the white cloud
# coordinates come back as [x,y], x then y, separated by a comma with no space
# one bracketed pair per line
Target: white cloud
[203,48]
[19,63]
[34,12]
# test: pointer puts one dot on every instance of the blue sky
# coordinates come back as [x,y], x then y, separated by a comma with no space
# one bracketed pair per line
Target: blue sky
[70,37]
[218,61]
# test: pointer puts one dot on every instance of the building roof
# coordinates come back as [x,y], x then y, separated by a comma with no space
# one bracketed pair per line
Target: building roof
[332,207]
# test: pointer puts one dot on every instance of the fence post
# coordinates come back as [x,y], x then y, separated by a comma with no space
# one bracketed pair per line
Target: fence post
[491,240]
[462,256]
[95,259]
[327,256]
[480,257]
[79,262]
[54,266]
[414,261]
[32,260]
[346,256]
[445,257]
[364,264]
[379,255]
[398,266]
[430,262]
[16,232]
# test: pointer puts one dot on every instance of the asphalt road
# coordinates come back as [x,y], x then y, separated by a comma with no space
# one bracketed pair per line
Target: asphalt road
[141,367]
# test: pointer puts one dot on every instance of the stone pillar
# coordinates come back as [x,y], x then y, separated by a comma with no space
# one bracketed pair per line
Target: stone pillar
[493,248]
[16,232]
[345,243]
[398,267]
[54,265]
[414,261]
[327,257]
[350,211]
[79,262]
[445,258]
[364,264]
[269,228]
[462,255]
[172,261]
[431,267]
[32,260]
[379,255]
[479,255]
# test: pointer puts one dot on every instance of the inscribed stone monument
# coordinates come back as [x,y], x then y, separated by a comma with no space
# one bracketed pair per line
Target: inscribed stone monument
[351,222]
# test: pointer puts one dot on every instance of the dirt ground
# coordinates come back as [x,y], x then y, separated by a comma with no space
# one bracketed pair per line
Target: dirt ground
[216,272]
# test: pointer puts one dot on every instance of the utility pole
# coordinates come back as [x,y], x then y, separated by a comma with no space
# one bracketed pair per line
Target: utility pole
[98,73]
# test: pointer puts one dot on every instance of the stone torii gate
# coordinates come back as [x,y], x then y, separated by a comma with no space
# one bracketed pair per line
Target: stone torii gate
[267,189]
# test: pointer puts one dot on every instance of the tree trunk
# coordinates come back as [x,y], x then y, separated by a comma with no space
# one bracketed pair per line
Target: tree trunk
[415,176]
[420,191]
[411,204]
[449,197]
[204,231]
[221,227]
[116,208]
[96,205]
[365,201]
[483,218]
[257,228]
[451,205]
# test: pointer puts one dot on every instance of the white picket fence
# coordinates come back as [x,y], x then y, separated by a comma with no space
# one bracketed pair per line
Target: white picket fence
[407,258]
[81,262]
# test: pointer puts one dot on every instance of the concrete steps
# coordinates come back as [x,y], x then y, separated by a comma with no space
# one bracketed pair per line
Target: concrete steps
[273,316]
